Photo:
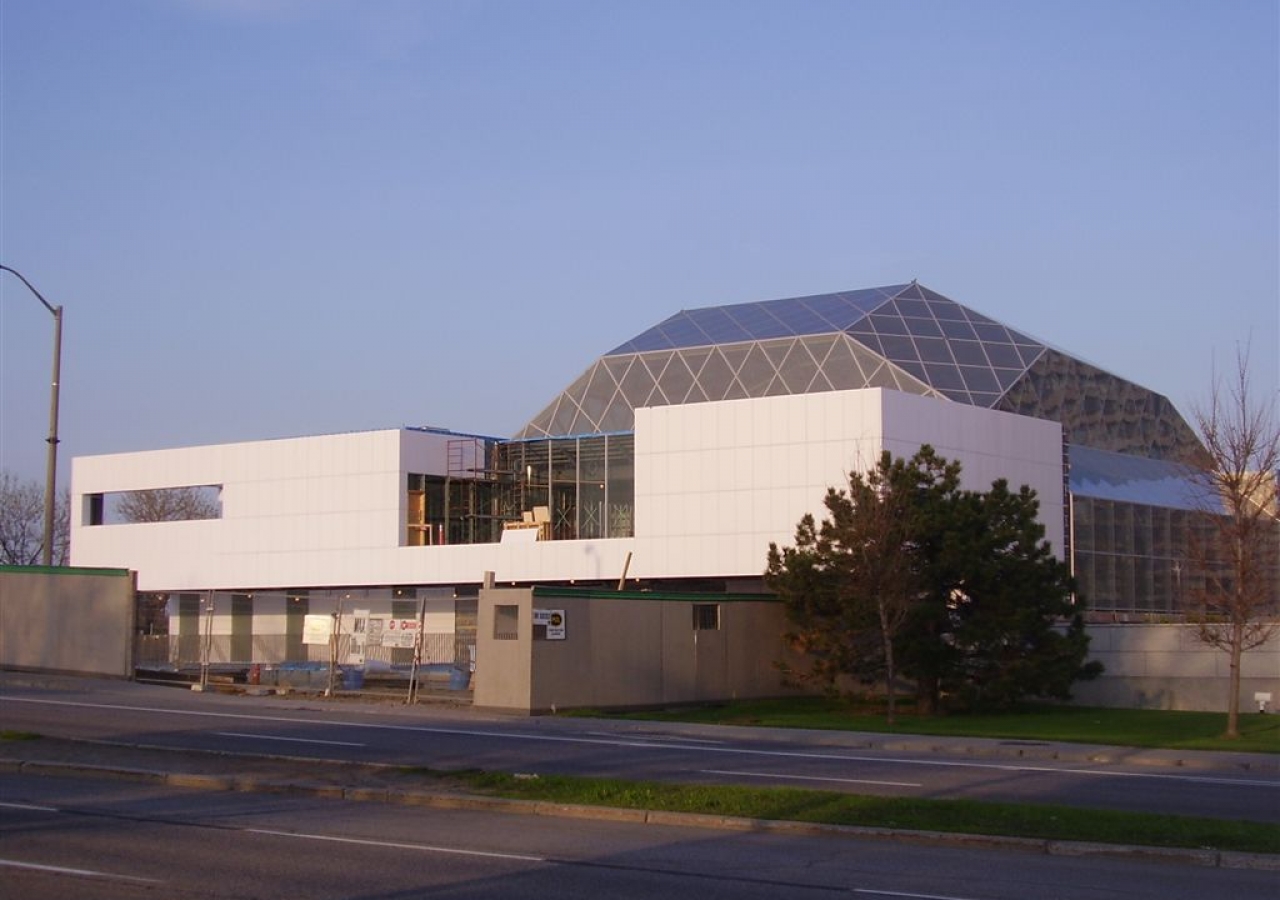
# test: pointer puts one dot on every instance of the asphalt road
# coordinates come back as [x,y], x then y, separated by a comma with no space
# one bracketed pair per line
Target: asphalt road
[111,839]
[1237,786]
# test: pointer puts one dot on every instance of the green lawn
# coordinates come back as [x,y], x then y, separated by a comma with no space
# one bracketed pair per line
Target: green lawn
[1043,822]
[1119,727]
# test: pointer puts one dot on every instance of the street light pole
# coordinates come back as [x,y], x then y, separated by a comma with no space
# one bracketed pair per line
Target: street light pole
[51,468]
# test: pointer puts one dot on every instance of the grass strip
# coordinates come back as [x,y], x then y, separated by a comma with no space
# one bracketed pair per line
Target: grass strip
[1072,724]
[10,735]
[1045,822]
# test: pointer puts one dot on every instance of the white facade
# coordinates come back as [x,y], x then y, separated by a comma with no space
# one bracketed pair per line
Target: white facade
[717,482]
[714,484]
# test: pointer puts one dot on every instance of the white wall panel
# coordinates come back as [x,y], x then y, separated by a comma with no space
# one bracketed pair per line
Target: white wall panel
[727,497]
[716,482]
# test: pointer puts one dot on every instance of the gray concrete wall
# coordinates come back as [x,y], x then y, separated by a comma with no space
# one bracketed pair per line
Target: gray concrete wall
[67,620]
[502,678]
[627,650]
[1167,667]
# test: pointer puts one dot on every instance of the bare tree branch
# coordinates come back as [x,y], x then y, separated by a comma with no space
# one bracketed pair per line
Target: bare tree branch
[1233,547]
[22,523]
[167,505]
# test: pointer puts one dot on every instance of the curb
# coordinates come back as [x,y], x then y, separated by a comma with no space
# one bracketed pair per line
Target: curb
[442,800]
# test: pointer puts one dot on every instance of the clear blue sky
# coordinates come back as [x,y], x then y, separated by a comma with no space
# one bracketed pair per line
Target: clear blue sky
[291,217]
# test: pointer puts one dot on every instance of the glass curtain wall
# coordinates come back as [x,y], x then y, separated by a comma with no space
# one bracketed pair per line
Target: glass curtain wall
[585,486]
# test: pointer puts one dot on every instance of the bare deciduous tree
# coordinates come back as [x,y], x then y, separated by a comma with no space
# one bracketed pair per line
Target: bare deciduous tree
[1234,545]
[167,505]
[22,523]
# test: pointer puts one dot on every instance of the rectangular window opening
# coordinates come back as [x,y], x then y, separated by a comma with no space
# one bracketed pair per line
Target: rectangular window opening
[506,623]
[706,617]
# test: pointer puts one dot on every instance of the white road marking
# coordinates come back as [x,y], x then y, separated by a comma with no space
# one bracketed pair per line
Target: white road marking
[63,870]
[787,777]
[660,737]
[28,806]
[426,848]
[658,745]
[873,893]
[268,737]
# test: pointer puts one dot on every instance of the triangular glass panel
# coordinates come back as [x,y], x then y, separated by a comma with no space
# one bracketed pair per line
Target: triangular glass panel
[636,385]
[798,369]
[540,422]
[882,377]
[968,353]
[777,387]
[681,331]
[867,361]
[979,379]
[695,357]
[777,351]
[1007,377]
[914,369]
[655,363]
[910,308]
[1004,356]
[869,339]
[992,333]
[619,417]
[736,391]
[886,323]
[842,310]
[906,381]
[911,290]
[944,377]
[958,330]
[1030,353]
[600,392]
[841,369]
[819,384]
[757,320]
[563,421]
[617,366]
[802,319]
[899,350]
[820,346]
[735,355]
[977,318]
[756,372]
[676,380]
[945,310]
[716,324]
[934,350]
[715,377]
[578,389]
[986,401]
[919,327]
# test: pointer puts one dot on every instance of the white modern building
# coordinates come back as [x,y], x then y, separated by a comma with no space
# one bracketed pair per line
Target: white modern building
[670,465]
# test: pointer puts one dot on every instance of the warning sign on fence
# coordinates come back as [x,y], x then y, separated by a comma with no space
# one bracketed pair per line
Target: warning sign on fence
[400,633]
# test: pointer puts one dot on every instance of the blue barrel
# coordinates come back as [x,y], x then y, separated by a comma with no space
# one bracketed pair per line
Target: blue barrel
[459,679]
[352,679]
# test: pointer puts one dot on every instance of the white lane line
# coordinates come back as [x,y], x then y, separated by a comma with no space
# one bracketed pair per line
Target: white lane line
[63,870]
[658,745]
[659,737]
[874,893]
[425,848]
[28,806]
[786,777]
[268,737]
